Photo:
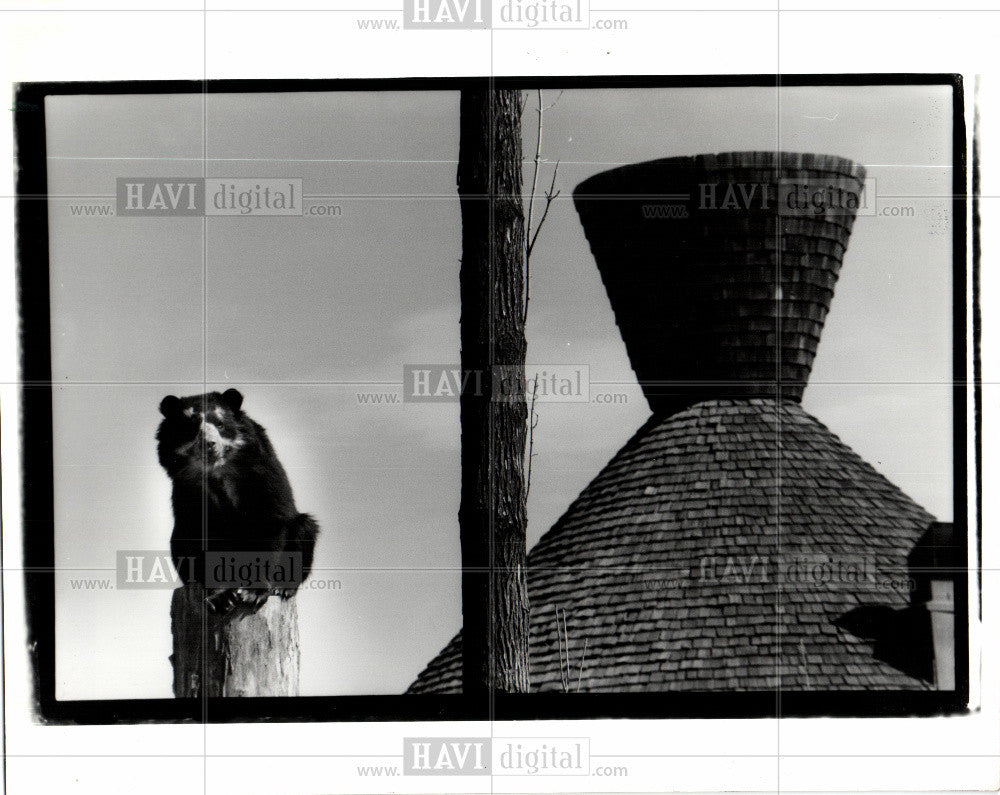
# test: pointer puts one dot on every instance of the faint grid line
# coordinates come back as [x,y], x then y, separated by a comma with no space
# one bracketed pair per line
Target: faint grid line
[576,569]
[204,351]
[491,186]
[592,756]
[777,342]
[62,384]
[779,11]
[388,160]
[395,160]
[451,196]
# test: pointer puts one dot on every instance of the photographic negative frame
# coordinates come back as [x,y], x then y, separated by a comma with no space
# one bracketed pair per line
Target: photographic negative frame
[39,441]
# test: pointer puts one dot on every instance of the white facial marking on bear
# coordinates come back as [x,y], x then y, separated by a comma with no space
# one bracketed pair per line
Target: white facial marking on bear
[211,434]
[209,450]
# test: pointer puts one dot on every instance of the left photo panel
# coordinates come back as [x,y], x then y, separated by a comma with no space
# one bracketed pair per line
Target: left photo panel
[237,286]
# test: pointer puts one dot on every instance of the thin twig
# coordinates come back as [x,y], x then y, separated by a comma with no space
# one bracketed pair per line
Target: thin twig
[805,666]
[563,679]
[532,424]
[550,195]
[566,641]
[558,97]
[583,659]
[531,206]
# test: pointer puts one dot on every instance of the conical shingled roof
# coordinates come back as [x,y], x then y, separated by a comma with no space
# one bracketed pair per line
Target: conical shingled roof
[734,543]
[660,562]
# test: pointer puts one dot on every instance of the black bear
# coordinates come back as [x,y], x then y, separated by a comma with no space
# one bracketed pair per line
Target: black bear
[232,502]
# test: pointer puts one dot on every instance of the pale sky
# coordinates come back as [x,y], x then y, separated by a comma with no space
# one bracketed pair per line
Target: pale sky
[301,314]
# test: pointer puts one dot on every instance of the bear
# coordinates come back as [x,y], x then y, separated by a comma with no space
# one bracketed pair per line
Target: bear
[232,504]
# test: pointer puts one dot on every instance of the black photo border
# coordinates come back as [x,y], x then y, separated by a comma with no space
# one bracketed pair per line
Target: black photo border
[37,450]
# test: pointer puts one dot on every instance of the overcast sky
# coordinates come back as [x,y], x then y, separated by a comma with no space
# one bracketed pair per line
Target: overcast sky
[304,313]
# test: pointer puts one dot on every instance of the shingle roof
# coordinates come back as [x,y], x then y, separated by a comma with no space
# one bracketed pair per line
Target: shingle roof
[659,563]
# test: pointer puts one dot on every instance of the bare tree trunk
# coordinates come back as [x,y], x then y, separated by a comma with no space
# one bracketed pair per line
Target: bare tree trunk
[249,655]
[492,514]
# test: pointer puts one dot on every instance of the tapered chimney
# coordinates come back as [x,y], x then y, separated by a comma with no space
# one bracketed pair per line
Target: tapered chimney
[721,268]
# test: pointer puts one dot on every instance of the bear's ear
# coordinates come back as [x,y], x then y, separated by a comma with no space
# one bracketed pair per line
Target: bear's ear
[170,406]
[233,399]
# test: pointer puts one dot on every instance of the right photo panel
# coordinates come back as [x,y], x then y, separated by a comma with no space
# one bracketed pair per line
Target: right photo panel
[741,387]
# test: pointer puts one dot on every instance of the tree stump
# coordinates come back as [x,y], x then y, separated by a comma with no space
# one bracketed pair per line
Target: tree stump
[236,655]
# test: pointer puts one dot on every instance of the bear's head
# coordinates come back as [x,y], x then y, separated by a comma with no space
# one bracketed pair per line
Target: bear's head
[200,433]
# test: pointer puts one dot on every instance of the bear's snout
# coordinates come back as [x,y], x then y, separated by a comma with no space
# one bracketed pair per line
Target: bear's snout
[210,438]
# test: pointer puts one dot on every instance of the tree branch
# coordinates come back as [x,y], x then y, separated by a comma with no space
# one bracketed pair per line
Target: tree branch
[550,196]
[558,97]
[532,424]
[531,205]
